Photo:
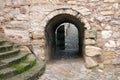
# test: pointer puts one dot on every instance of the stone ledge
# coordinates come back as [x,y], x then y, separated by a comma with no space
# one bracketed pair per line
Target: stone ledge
[112,1]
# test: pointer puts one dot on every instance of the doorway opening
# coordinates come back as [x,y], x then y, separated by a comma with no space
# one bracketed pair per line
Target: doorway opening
[64,37]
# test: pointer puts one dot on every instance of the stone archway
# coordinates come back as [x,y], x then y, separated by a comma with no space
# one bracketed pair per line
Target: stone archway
[70,14]
[62,15]
[68,11]
[54,23]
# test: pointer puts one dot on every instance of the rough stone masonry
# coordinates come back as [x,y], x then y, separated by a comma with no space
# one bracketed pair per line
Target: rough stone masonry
[24,21]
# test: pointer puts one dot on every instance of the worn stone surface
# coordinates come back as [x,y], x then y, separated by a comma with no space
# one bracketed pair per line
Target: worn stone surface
[107,12]
[109,56]
[90,63]
[115,22]
[118,42]
[110,43]
[38,42]
[93,51]
[22,17]
[26,21]
[111,1]
[90,42]
[90,34]
[106,34]
[38,36]
[75,70]
[116,61]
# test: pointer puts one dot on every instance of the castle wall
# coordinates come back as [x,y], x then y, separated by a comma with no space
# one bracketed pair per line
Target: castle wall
[24,21]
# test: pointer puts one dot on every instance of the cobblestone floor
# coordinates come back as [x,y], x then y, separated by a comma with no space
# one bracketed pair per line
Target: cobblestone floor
[74,69]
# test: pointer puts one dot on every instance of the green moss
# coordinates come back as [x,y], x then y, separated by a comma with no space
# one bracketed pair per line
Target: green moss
[20,68]
[32,63]
[1,76]
[23,60]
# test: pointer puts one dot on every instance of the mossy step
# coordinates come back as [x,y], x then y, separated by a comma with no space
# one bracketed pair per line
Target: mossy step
[14,70]
[32,73]
[9,53]
[12,60]
[4,48]
[8,43]
[2,41]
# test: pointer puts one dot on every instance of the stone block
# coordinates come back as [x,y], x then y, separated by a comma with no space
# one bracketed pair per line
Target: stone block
[40,42]
[94,0]
[100,42]
[40,52]
[90,63]
[38,36]
[115,23]
[72,2]
[109,12]
[106,34]
[8,2]
[115,28]
[118,43]
[22,17]
[101,65]
[112,1]
[84,11]
[108,27]
[109,55]
[2,4]
[90,34]
[116,61]
[110,44]
[107,61]
[24,10]
[118,51]
[19,2]
[90,42]
[25,49]
[17,25]
[6,9]
[1,19]
[116,35]
[93,51]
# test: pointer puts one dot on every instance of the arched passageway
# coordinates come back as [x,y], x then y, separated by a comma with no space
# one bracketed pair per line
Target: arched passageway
[55,32]
[67,37]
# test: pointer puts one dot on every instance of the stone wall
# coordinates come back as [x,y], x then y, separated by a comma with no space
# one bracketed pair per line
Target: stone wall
[24,21]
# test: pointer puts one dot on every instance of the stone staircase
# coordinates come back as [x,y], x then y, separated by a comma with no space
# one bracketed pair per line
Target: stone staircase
[16,65]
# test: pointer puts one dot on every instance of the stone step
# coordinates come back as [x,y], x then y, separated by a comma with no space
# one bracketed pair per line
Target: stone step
[5,41]
[2,41]
[4,48]
[14,70]
[9,53]
[32,73]
[13,60]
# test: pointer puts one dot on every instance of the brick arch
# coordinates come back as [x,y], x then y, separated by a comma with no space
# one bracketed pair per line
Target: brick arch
[69,11]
